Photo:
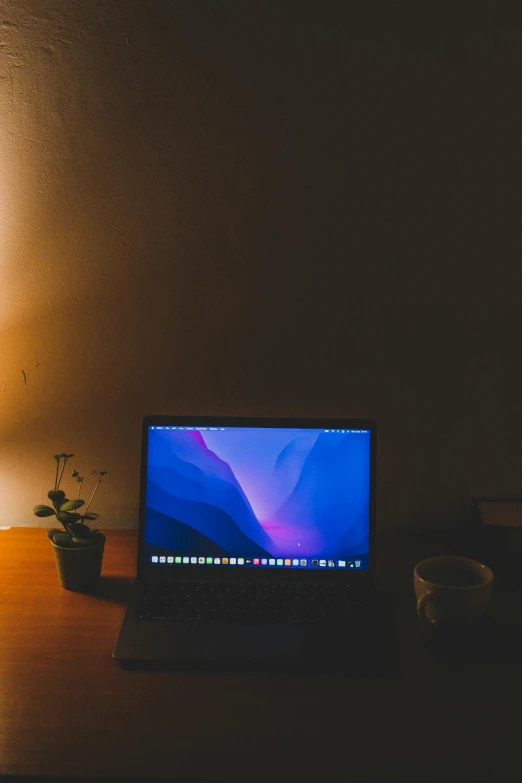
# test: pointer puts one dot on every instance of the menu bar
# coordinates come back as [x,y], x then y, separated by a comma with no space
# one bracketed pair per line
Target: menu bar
[222,429]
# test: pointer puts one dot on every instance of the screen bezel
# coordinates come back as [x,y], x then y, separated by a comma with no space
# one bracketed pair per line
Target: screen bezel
[364,578]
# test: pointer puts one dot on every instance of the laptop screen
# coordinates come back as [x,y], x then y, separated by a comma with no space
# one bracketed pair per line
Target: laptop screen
[257,497]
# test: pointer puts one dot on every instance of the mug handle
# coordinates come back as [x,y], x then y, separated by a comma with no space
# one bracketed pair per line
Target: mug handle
[421,609]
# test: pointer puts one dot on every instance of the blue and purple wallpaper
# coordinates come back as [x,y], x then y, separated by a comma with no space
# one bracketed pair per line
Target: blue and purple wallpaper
[258,493]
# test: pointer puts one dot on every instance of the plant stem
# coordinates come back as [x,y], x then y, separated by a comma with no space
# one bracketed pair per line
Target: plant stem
[79,489]
[65,525]
[56,477]
[63,468]
[94,491]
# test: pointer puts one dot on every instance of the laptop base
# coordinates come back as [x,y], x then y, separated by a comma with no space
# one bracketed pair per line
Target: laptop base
[366,643]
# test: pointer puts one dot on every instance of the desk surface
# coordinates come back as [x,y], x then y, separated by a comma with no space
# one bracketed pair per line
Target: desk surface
[68,709]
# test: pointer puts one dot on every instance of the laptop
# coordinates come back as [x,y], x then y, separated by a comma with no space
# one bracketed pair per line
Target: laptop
[256,542]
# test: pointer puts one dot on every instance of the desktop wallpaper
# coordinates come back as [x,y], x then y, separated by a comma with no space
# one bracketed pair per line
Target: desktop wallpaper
[258,493]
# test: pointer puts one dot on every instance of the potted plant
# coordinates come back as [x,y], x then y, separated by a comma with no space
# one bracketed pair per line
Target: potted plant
[78,550]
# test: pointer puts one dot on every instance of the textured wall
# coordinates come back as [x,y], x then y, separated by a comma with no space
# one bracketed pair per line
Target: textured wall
[260,208]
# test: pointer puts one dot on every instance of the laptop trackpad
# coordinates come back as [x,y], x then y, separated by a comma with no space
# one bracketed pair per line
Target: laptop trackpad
[196,641]
[228,642]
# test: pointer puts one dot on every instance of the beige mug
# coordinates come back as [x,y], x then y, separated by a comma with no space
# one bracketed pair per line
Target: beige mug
[451,591]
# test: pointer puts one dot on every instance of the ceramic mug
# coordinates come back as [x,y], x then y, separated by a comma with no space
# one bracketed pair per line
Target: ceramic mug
[451,591]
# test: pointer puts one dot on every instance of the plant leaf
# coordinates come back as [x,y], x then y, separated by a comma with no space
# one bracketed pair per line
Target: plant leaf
[56,494]
[66,517]
[80,530]
[91,515]
[62,539]
[72,505]
[43,511]
[83,541]
[59,537]
[52,531]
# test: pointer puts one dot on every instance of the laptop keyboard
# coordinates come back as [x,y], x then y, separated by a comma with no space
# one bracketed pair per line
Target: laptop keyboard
[248,602]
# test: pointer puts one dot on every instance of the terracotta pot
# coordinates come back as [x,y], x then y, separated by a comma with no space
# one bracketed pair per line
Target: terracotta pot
[79,569]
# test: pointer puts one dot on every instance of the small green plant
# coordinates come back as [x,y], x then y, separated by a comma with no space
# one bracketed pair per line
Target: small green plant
[77,533]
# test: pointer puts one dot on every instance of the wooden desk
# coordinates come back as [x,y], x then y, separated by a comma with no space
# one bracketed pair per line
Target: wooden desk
[68,709]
